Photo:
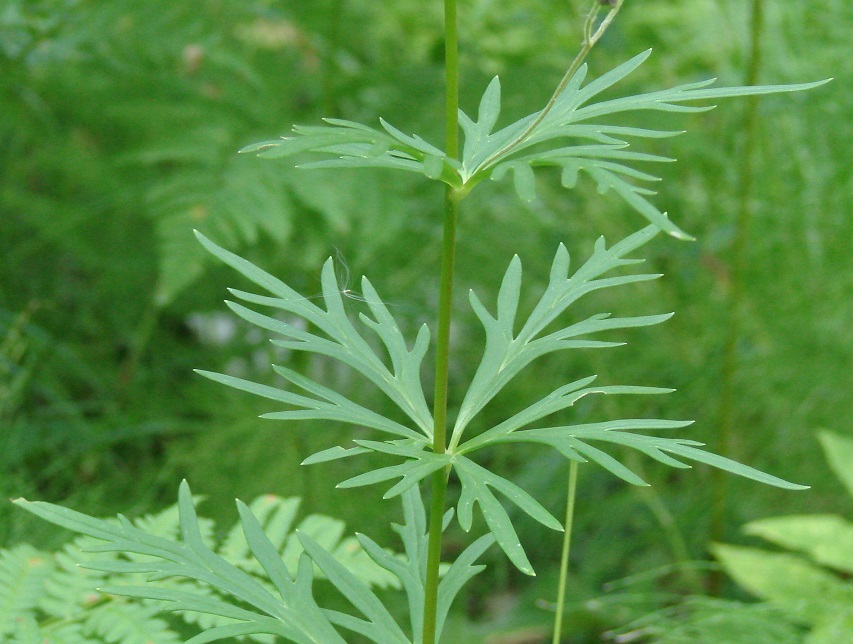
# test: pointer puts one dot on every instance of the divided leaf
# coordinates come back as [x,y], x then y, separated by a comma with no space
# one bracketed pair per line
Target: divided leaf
[507,353]
[358,146]
[535,140]
[571,441]
[411,570]
[476,482]
[343,342]
[188,575]
[601,152]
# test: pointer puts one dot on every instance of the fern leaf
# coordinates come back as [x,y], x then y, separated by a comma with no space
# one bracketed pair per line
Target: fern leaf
[274,515]
[128,624]
[23,571]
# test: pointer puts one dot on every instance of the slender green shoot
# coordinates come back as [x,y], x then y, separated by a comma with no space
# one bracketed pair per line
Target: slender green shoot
[736,294]
[564,557]
[591,35]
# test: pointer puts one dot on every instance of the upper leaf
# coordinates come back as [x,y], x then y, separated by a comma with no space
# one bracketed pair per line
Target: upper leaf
[560,134]
[358,146]
[487,154]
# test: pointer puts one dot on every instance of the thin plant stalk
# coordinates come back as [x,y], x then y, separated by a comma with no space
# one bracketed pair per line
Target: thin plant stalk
[736,293]
[448,257]
[564,557]
[591,35]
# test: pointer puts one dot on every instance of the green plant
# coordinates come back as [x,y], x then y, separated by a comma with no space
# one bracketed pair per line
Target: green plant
[46,597]
[806,593]
[811,585]
[419,439]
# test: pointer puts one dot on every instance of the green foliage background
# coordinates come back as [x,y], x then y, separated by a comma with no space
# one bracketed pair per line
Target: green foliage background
[119,124]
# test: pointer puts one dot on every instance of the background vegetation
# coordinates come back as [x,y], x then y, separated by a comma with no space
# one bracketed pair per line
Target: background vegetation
[119,124]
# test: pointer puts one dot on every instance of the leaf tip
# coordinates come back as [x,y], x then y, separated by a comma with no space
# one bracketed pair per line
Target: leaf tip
[683,236]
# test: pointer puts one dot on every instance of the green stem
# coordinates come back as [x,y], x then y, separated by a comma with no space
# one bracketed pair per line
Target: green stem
[736,295]
[590,37]
[567,542]
[335,19]
[442,361]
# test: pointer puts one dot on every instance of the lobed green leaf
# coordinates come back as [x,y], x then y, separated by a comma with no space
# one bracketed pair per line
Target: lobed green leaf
[476,482]
[507,353]
[343,342]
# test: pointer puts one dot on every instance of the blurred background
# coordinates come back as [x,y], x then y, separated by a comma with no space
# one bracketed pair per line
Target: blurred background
[119,128]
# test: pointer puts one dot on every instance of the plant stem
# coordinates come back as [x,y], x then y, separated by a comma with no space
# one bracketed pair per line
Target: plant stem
[736,295]
[567,541]
[590,37]
[442,361]
[335,18]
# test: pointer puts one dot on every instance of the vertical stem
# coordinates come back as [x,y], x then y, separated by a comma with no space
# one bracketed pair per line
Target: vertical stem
[567,542]
[442,361]
[451,75]
[335,18]
[736,293]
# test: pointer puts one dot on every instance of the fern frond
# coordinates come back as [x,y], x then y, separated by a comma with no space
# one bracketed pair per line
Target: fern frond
[128,623]
[23,571]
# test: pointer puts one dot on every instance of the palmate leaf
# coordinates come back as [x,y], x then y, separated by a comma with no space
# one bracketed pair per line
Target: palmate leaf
[538,139]
[358,146]
[293,614]
[343,342]
[507,353]
[602,152]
